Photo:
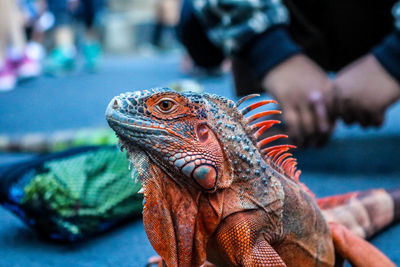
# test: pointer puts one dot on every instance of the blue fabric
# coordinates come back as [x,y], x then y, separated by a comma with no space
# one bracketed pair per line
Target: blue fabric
[269,49]
[388,54]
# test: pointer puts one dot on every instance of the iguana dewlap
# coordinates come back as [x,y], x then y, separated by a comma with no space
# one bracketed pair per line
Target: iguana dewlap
[215,190]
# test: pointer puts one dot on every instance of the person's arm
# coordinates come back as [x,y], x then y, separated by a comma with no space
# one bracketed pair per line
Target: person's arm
[388,52]
[367,87]
[257,35]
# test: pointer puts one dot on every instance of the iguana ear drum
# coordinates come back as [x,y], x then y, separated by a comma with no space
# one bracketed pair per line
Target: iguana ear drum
[202,132]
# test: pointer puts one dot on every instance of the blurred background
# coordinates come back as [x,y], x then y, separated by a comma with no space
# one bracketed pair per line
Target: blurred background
[62,62]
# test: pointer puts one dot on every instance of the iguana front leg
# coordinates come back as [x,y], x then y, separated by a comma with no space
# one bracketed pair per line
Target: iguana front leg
[242,244]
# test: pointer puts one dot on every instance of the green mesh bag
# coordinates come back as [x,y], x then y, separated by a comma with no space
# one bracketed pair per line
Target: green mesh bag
[74,194]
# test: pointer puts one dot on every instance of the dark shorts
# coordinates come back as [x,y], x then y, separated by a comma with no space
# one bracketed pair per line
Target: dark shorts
[87,11]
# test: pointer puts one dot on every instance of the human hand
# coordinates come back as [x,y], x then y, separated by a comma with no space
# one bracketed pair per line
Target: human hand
[303,91]
[363,91]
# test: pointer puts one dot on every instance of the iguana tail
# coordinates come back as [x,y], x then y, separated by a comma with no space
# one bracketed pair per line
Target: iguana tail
[365,213]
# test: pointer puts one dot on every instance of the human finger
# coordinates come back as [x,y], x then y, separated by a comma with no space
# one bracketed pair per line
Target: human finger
[348,118]
[364,118]
[378,118]
[348,114]
[324,122]
[319,109]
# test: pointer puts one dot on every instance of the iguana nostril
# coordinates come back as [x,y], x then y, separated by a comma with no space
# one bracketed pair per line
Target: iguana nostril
[115,104]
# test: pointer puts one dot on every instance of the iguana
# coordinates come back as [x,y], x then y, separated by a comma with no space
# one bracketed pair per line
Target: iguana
[214,191]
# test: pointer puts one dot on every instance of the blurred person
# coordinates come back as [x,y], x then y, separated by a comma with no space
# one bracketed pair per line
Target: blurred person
[90,11]
[167,15]
[15,62]
[62,58]
[291,60]
[37,20]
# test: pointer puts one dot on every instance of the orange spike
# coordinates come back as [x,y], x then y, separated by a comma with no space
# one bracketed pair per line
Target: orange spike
[291,171]
[270,139]
[262,114]
[292,168]
[281,158]
[276,153]
[240,101]
[273,152]
[262,130]
[283,164]
[297,175]
[251,107]
[286,164]
[268,149]
[265,125]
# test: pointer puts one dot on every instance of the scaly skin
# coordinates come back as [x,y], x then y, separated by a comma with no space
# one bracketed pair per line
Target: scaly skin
[213,192]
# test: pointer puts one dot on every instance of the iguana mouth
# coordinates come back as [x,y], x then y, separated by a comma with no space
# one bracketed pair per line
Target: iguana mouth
[134,127]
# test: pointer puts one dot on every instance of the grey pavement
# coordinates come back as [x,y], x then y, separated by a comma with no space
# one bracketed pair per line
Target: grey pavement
[355,159]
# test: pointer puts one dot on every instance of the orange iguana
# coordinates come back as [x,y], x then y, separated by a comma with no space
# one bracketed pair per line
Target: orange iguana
[213,191]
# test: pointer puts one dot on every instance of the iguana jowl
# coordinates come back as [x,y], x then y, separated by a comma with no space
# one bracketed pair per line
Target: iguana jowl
[214,191]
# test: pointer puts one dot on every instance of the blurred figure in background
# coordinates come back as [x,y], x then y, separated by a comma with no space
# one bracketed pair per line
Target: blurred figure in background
[290,60]
[167,15]
[62,58]
[37,20]
[15,61]
[90,11]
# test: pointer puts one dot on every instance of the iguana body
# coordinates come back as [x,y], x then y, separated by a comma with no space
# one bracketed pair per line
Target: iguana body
[214,191]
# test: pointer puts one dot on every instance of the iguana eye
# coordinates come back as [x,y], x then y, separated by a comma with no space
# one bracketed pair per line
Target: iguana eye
[166,105]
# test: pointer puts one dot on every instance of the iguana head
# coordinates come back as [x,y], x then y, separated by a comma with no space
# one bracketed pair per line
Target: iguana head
[181,132]
[200,139]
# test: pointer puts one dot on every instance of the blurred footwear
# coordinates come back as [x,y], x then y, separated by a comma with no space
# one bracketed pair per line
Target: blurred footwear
[35,50]
[91,52]
[27,67]
[8,77]
[61,60]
